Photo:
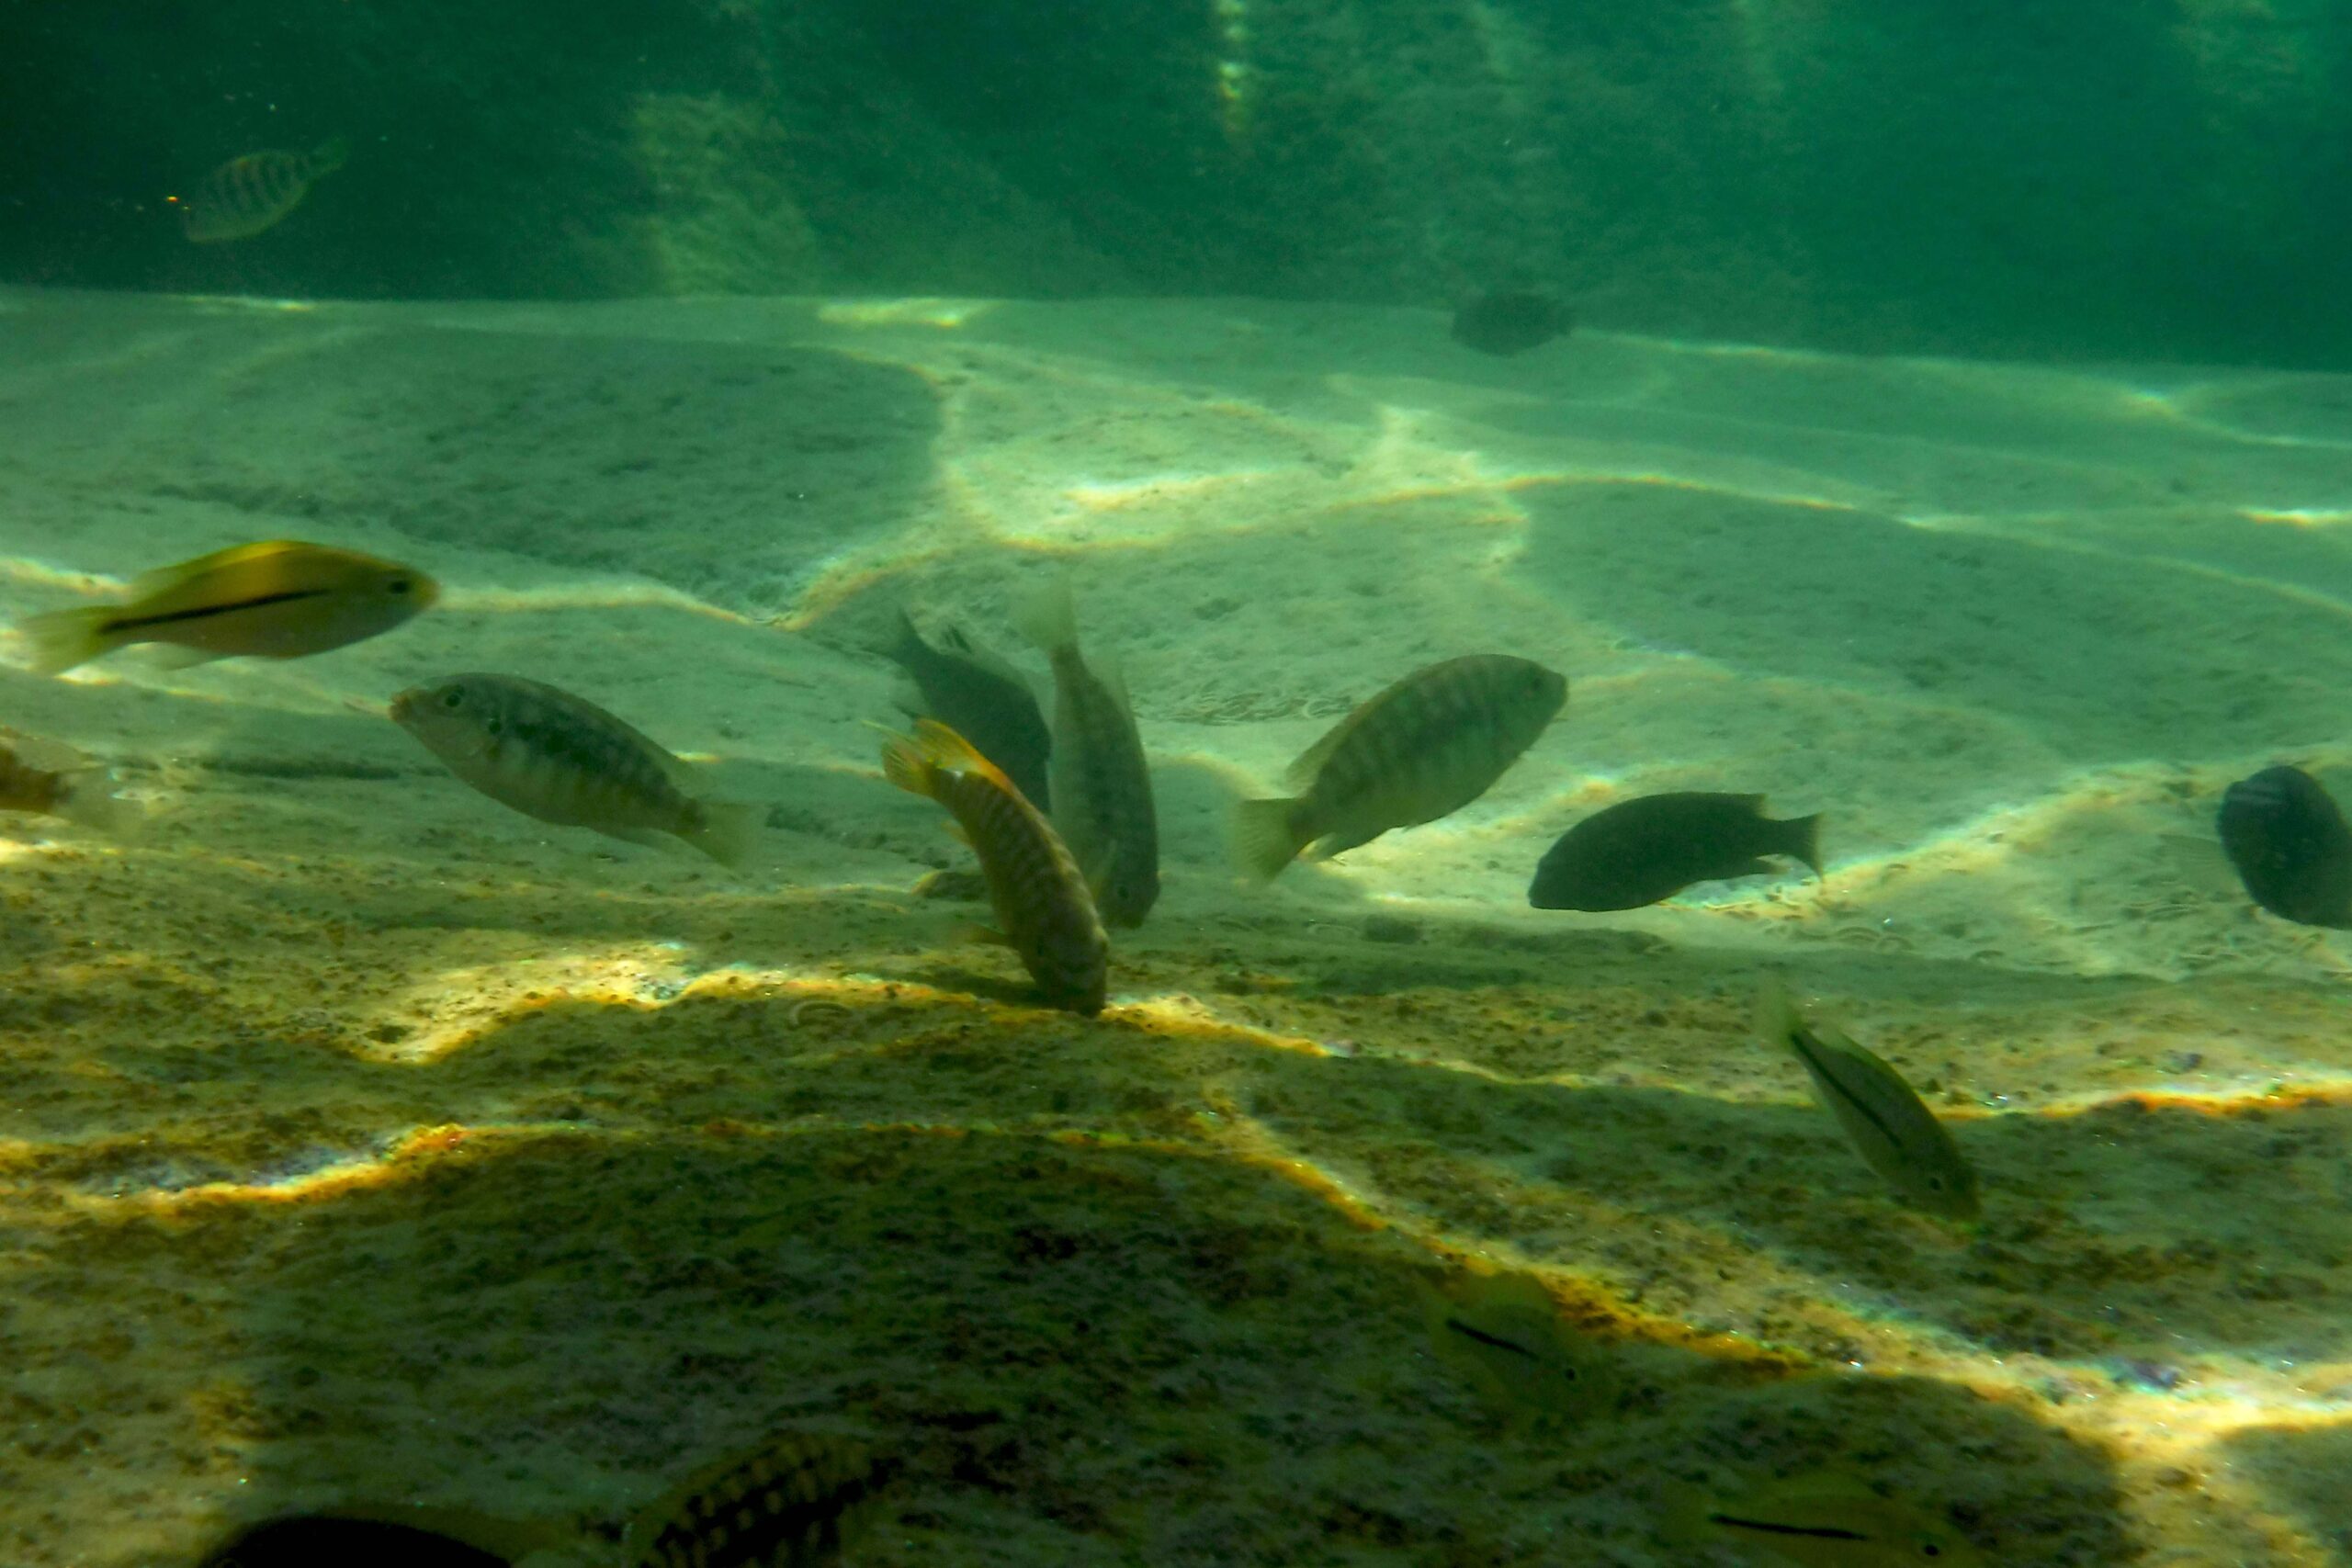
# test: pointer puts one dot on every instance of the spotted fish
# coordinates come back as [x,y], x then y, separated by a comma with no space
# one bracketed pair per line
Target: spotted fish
[1043,909]
[246,196]
[278,598]
[1881,1116]
[562,759]
[1429,745]
[792,1505]
[1103,805]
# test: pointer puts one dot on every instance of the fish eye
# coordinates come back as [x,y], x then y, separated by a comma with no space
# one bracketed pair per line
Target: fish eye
[1930,1549]
[453,699]
[398,585]
[495,725]
[1935,1184]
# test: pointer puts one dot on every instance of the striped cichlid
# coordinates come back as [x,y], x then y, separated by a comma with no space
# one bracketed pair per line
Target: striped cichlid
[1043,908]
[1882,1117]
[278,598]
[1429,745]
[1103,805]
[976,694]
[1505,1336]
[247,195]
[562,759]
[792,1505]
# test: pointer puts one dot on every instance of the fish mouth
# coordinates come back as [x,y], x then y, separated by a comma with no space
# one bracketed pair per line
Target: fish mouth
[403,704]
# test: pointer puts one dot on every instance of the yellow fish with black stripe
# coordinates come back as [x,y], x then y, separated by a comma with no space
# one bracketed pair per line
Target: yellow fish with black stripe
[278,598]
[795,1503]
[1505,1335]
[1881,1116]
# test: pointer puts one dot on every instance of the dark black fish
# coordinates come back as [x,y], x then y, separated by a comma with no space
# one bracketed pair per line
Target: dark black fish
[349,1543]
[1639,851]
[1511,321]
[2290,846]
[982,699]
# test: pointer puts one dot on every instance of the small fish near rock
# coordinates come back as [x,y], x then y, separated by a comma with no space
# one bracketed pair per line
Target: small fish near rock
[2288,839]
[1825,1519]
[1642,851]
[252,194]
[1505,322]
[277,598]
[540,750]
[797,1503]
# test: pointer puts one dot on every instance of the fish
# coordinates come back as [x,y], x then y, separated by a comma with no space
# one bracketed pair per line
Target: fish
[559,758]
[1511,321]
[277,598]
[1824,1519]
[982,698]
[793,1504]
[2288,839]
[1505,1335]
[1101,785]
[1430,744]
[249,195]
[1045,910]
[1641,851]
[48,779]
[1882,1116]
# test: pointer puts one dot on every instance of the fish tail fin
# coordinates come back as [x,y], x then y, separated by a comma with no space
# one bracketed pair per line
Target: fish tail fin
[329,155]
[905,765]
[915,761]
[1265,836]
[60,639]
[731,831]
[1801,840]
[1048,618]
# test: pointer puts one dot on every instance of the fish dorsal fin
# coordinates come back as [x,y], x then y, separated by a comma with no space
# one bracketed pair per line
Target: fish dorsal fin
[954,639]
[1300,774]
[944,749]
[163,577]
[1108,669]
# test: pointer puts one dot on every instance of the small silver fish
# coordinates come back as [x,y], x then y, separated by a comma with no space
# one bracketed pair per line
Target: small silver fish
[1102,786]
[562,759]
[1882,1117]
[250,195]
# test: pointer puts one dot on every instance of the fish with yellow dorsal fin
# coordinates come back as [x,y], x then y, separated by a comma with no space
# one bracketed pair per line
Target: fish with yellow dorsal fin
[1504,1333]
[278,599]
[1044,908]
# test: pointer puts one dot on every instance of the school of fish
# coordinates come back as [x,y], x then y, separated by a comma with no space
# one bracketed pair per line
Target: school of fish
[1056,800]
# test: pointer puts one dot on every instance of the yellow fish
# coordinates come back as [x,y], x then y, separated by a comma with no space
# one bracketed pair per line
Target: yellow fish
[279,599]
[1825,1519]
[1043,909]
[792,1505]
[1430,744]
[1881,1116]
[246,195]
[1504,1333]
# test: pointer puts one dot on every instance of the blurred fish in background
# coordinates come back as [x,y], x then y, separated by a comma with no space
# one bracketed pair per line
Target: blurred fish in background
[253,194]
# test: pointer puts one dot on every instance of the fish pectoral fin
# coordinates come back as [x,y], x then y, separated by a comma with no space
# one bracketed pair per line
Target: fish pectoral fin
[179,655]
[647,837]
[989,934]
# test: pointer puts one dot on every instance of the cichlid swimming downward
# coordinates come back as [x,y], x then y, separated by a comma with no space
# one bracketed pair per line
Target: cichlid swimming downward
[1822,1521]
[1429,745]
[562,759]
[981,698]
[247,195]
[793,1504]
[278,599]
[1103,805]
[1043,909]
[1505,1335]
[1882,1116]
